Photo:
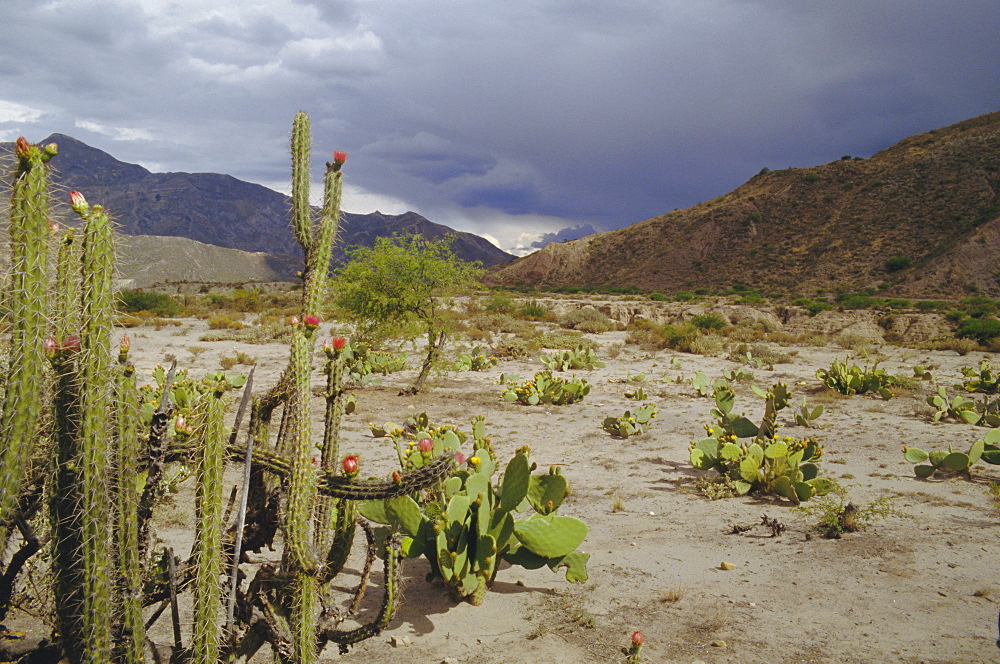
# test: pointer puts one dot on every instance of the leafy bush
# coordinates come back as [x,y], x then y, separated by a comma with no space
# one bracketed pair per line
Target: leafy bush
[898,303]
[980,329]
[812,306]
[658,297]
[132,301]
[897,263]
[930,305]
[498,303]
[858,300]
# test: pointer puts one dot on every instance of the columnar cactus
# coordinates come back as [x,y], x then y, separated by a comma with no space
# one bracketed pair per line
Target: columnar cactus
[29,213]
[96,380]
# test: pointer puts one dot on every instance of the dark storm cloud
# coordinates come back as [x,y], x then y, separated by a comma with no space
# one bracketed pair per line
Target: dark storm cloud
[508,119]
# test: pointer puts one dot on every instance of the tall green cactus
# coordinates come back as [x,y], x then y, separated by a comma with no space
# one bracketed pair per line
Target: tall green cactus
[208,547]
[29,214]
[95,377]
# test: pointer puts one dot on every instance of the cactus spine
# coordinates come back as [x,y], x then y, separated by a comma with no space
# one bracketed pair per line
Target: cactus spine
[208,547]
[22,399]
[95,457]
[132,639]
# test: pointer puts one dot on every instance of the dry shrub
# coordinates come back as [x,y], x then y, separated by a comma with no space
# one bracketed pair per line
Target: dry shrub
[225,322]
[587,319]
[564,341]
[948,342]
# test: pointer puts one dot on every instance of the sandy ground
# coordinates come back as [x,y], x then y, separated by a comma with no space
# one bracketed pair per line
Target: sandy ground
[920,589]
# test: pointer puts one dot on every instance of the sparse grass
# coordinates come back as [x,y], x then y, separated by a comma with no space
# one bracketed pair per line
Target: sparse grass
[674,594]
[617,504]
[993,491]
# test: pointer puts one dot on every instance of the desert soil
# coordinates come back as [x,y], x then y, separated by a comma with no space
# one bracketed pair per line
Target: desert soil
[917,589]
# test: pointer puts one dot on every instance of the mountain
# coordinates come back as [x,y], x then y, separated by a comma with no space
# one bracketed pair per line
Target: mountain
[220,209]
[920,218]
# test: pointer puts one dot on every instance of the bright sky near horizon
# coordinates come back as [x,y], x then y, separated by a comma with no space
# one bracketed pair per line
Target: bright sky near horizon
[524,121]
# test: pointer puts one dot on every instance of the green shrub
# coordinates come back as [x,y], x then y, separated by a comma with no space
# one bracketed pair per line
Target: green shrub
[683,296]
[658,297]
[708,322]
[498,303]
[132,301]
[979,307]
[980,329]
[930,305]
[897,263]
[898,303]
[858,300]
[532,310]
[812,306]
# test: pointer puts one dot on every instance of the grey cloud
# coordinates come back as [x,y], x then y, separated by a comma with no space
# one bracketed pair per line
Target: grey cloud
[601,114]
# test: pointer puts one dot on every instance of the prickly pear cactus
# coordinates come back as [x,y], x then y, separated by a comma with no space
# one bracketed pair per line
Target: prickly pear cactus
[470,523]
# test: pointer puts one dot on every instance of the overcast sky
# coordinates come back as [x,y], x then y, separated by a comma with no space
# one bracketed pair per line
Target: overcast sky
[519,120]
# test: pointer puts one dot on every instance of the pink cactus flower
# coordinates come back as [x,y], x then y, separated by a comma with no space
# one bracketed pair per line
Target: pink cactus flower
[339,156]
[50,346]
[71,343]
[425,445]
[459,457]
[78,202]
[339,343]
[350,465]
[638,638]
[311,321]
[22,147]
[126,343]
[294,320]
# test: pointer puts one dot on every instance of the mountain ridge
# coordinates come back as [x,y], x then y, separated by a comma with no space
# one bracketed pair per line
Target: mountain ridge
[221,210]
[932,201]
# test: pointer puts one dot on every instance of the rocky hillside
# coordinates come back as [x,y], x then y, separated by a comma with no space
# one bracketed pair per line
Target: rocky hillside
[219,209]
[921,218]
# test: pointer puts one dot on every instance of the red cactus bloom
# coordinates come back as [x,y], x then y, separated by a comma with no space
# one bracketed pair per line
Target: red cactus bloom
[425,445]
[350,465]
[638,638]
[339,156]
[311,321]
[21,147]
[339,343]
[396,477]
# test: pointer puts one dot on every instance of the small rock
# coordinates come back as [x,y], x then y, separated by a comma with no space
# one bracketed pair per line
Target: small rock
[399,641]
[718,644]
[726,565]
